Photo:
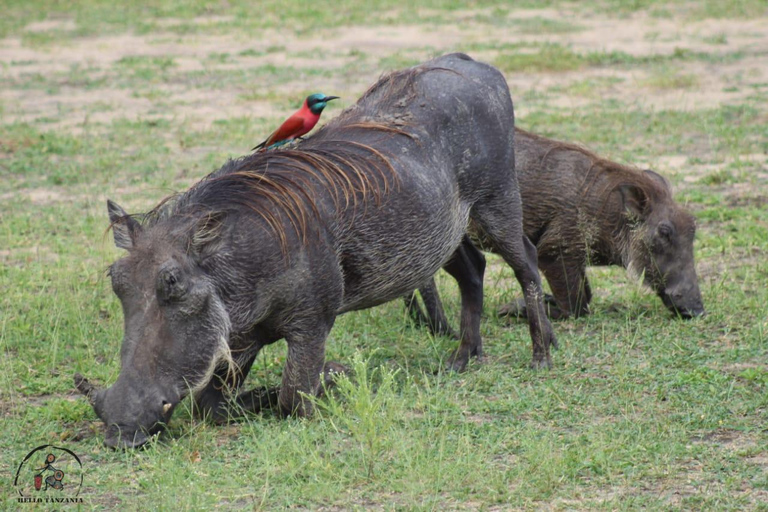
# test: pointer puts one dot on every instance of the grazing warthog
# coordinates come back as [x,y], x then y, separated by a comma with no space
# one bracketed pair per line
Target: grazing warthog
[277,244]
[579,210]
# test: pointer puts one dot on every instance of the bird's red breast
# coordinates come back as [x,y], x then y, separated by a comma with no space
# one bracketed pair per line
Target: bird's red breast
[301,122]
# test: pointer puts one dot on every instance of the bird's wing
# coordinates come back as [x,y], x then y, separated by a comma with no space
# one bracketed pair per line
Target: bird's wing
[291,126]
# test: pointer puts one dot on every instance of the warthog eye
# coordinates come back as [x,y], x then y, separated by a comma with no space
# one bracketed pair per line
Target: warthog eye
[666,230]
[171,284]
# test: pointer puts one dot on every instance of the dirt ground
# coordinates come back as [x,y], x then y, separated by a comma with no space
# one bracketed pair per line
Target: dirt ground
[638,35]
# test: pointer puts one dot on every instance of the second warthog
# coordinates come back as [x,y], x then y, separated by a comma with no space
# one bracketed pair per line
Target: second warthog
[581,210]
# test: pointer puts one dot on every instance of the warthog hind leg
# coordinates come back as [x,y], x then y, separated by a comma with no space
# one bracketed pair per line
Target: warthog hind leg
[467,266]
[500,220]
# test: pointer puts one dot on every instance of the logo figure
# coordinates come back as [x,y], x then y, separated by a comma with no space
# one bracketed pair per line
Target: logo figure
[34,475]
[54,480]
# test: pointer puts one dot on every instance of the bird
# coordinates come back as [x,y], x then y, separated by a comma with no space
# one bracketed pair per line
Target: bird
[301,122]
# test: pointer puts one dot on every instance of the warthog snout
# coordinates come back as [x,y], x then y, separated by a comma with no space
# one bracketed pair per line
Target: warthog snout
[685,303]
[124,428]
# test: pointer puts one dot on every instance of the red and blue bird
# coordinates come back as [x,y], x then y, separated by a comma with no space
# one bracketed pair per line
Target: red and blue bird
[301,122]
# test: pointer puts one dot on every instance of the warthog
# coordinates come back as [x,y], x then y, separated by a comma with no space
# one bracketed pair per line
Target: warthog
[580,210]
[277,244]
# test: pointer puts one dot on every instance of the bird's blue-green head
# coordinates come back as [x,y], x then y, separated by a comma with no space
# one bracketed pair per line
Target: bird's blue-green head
[317,102]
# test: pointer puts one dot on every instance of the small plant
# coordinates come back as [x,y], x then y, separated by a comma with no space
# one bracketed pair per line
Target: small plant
[718,177]
[720,38]
[666,78]
[758,376]
[364,407]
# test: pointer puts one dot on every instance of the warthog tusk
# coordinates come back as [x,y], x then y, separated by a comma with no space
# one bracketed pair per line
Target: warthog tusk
[166,408]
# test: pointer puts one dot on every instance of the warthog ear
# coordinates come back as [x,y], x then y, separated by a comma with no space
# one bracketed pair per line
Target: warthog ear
[658,178]
[124,227]
[207,232]
[635,201]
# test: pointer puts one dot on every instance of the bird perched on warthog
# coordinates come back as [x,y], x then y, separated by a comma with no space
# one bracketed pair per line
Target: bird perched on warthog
[580,210]
[300,123]
[277,244]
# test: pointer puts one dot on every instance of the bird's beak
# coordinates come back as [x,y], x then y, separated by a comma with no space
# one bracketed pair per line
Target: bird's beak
[329,98]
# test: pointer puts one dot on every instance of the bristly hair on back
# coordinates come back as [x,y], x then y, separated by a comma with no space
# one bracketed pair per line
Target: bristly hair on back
[611,175]
[284,184]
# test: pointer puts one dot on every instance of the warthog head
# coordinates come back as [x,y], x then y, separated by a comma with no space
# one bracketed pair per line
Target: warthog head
[661,246]
[176,328]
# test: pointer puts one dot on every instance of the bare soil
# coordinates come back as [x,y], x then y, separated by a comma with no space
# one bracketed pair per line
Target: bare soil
[638,35]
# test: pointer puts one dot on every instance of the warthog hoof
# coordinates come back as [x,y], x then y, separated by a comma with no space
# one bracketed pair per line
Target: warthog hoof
[516,308]
[541,364]
[331,371]
[458,360]
[456,364]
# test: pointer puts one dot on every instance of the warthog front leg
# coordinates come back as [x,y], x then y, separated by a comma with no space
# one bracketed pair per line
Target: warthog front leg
[214,400]
[570,288]
[569,285]
[262,398]
[303,366]
[434,319]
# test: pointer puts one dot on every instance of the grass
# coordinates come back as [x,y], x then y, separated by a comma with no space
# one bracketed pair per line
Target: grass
[100,17]
[666,78]
[550,57]
[543,57]
[641,411]
[540,25]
